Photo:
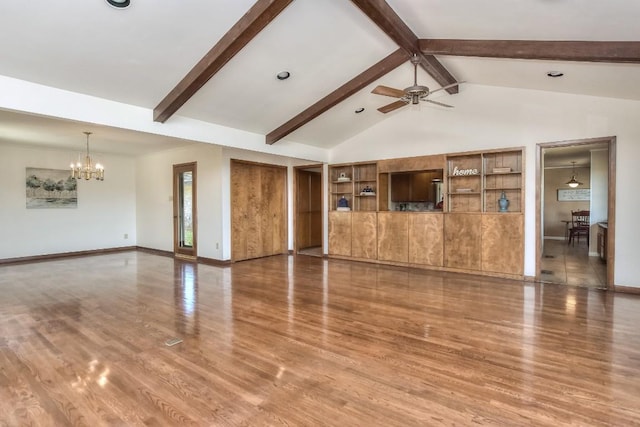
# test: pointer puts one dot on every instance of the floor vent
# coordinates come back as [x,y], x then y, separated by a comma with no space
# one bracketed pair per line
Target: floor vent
[172,342]
[548,256]
[546,272]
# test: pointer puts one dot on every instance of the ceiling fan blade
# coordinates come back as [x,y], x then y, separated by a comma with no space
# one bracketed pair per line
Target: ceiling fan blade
[388,91]
[438,103]
[446,87]
[393,106]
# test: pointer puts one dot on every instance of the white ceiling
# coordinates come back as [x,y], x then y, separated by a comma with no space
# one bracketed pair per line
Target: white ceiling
[137,55]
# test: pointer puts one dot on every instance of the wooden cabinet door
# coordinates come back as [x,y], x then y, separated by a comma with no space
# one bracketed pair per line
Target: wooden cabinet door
[503,243]
[393,236]
[364,236]
[463,241]
[425,239]
[258,210]
[400,187]
[340,233]
[420,183]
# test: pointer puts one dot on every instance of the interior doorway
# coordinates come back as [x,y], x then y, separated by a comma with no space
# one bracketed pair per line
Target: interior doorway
[185,229]
[589,261]
[308,210]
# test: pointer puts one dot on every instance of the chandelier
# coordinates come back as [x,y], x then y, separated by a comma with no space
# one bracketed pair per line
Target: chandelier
[87,170]
[573,182]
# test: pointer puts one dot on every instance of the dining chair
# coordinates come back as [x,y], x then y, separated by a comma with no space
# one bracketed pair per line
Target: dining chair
[580,225]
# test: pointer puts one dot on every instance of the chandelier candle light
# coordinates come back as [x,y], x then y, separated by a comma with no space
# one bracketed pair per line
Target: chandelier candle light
[87,170]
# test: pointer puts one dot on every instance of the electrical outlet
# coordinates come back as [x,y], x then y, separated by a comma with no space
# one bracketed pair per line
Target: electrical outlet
[126,235]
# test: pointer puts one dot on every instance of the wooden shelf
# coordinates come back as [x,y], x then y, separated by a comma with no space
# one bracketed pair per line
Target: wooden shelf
[475,171]
[360,175]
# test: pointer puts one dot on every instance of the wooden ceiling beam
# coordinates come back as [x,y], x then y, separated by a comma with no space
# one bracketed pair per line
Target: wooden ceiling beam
[585,51]
[388,20]
[256,19]
[367,77]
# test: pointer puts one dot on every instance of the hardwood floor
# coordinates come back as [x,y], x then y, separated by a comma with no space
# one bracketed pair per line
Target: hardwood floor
[304,341]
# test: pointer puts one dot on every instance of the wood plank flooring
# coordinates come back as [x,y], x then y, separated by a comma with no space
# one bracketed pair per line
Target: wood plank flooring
[304,341]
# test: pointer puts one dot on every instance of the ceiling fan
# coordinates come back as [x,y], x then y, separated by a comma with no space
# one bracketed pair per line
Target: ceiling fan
[412,94]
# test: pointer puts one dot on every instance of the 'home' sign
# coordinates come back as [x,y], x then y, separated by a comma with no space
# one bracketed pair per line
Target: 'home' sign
[464,172]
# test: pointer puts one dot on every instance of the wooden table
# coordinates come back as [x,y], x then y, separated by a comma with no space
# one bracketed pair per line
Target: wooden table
[566,228]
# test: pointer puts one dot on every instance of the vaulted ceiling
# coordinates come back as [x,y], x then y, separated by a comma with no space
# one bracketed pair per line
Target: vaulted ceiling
[333,49]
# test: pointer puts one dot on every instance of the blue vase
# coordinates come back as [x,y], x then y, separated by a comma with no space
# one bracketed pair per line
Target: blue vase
[503,202]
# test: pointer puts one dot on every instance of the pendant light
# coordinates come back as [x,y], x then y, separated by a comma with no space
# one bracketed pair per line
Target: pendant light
[573,182]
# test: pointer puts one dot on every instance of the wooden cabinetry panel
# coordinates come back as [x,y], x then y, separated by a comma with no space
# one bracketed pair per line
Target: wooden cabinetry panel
[463,241]
[393,237]
[364,236]
[503,243]
[426,239]
[340,233]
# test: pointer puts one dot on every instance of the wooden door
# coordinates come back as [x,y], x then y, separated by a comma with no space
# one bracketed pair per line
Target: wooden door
[308,209]
[258,210]
[185,209]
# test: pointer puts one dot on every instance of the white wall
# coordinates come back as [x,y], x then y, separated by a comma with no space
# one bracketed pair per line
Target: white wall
[154,184]
[599,194]
[487,117]
[105,212]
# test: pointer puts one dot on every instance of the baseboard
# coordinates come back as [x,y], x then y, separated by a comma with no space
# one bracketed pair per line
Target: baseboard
[155,251]
[200,259]
[214,262]
[627,289]
[554,238]
[49,257]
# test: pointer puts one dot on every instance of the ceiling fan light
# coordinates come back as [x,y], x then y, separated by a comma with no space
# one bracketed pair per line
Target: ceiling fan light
[415,98]
[119,4]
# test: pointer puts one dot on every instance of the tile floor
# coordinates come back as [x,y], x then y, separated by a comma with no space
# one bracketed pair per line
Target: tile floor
[572,265]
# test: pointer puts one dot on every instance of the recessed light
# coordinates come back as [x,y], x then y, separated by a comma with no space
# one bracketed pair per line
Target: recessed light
[120,4]
[359,110]
[283,75]
[555,74]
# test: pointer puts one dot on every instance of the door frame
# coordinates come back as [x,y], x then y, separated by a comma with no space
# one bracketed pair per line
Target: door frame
[611,200]
[296,183]
[179,251]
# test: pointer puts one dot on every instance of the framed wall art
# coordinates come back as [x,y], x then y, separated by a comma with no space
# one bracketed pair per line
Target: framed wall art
[50,189]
